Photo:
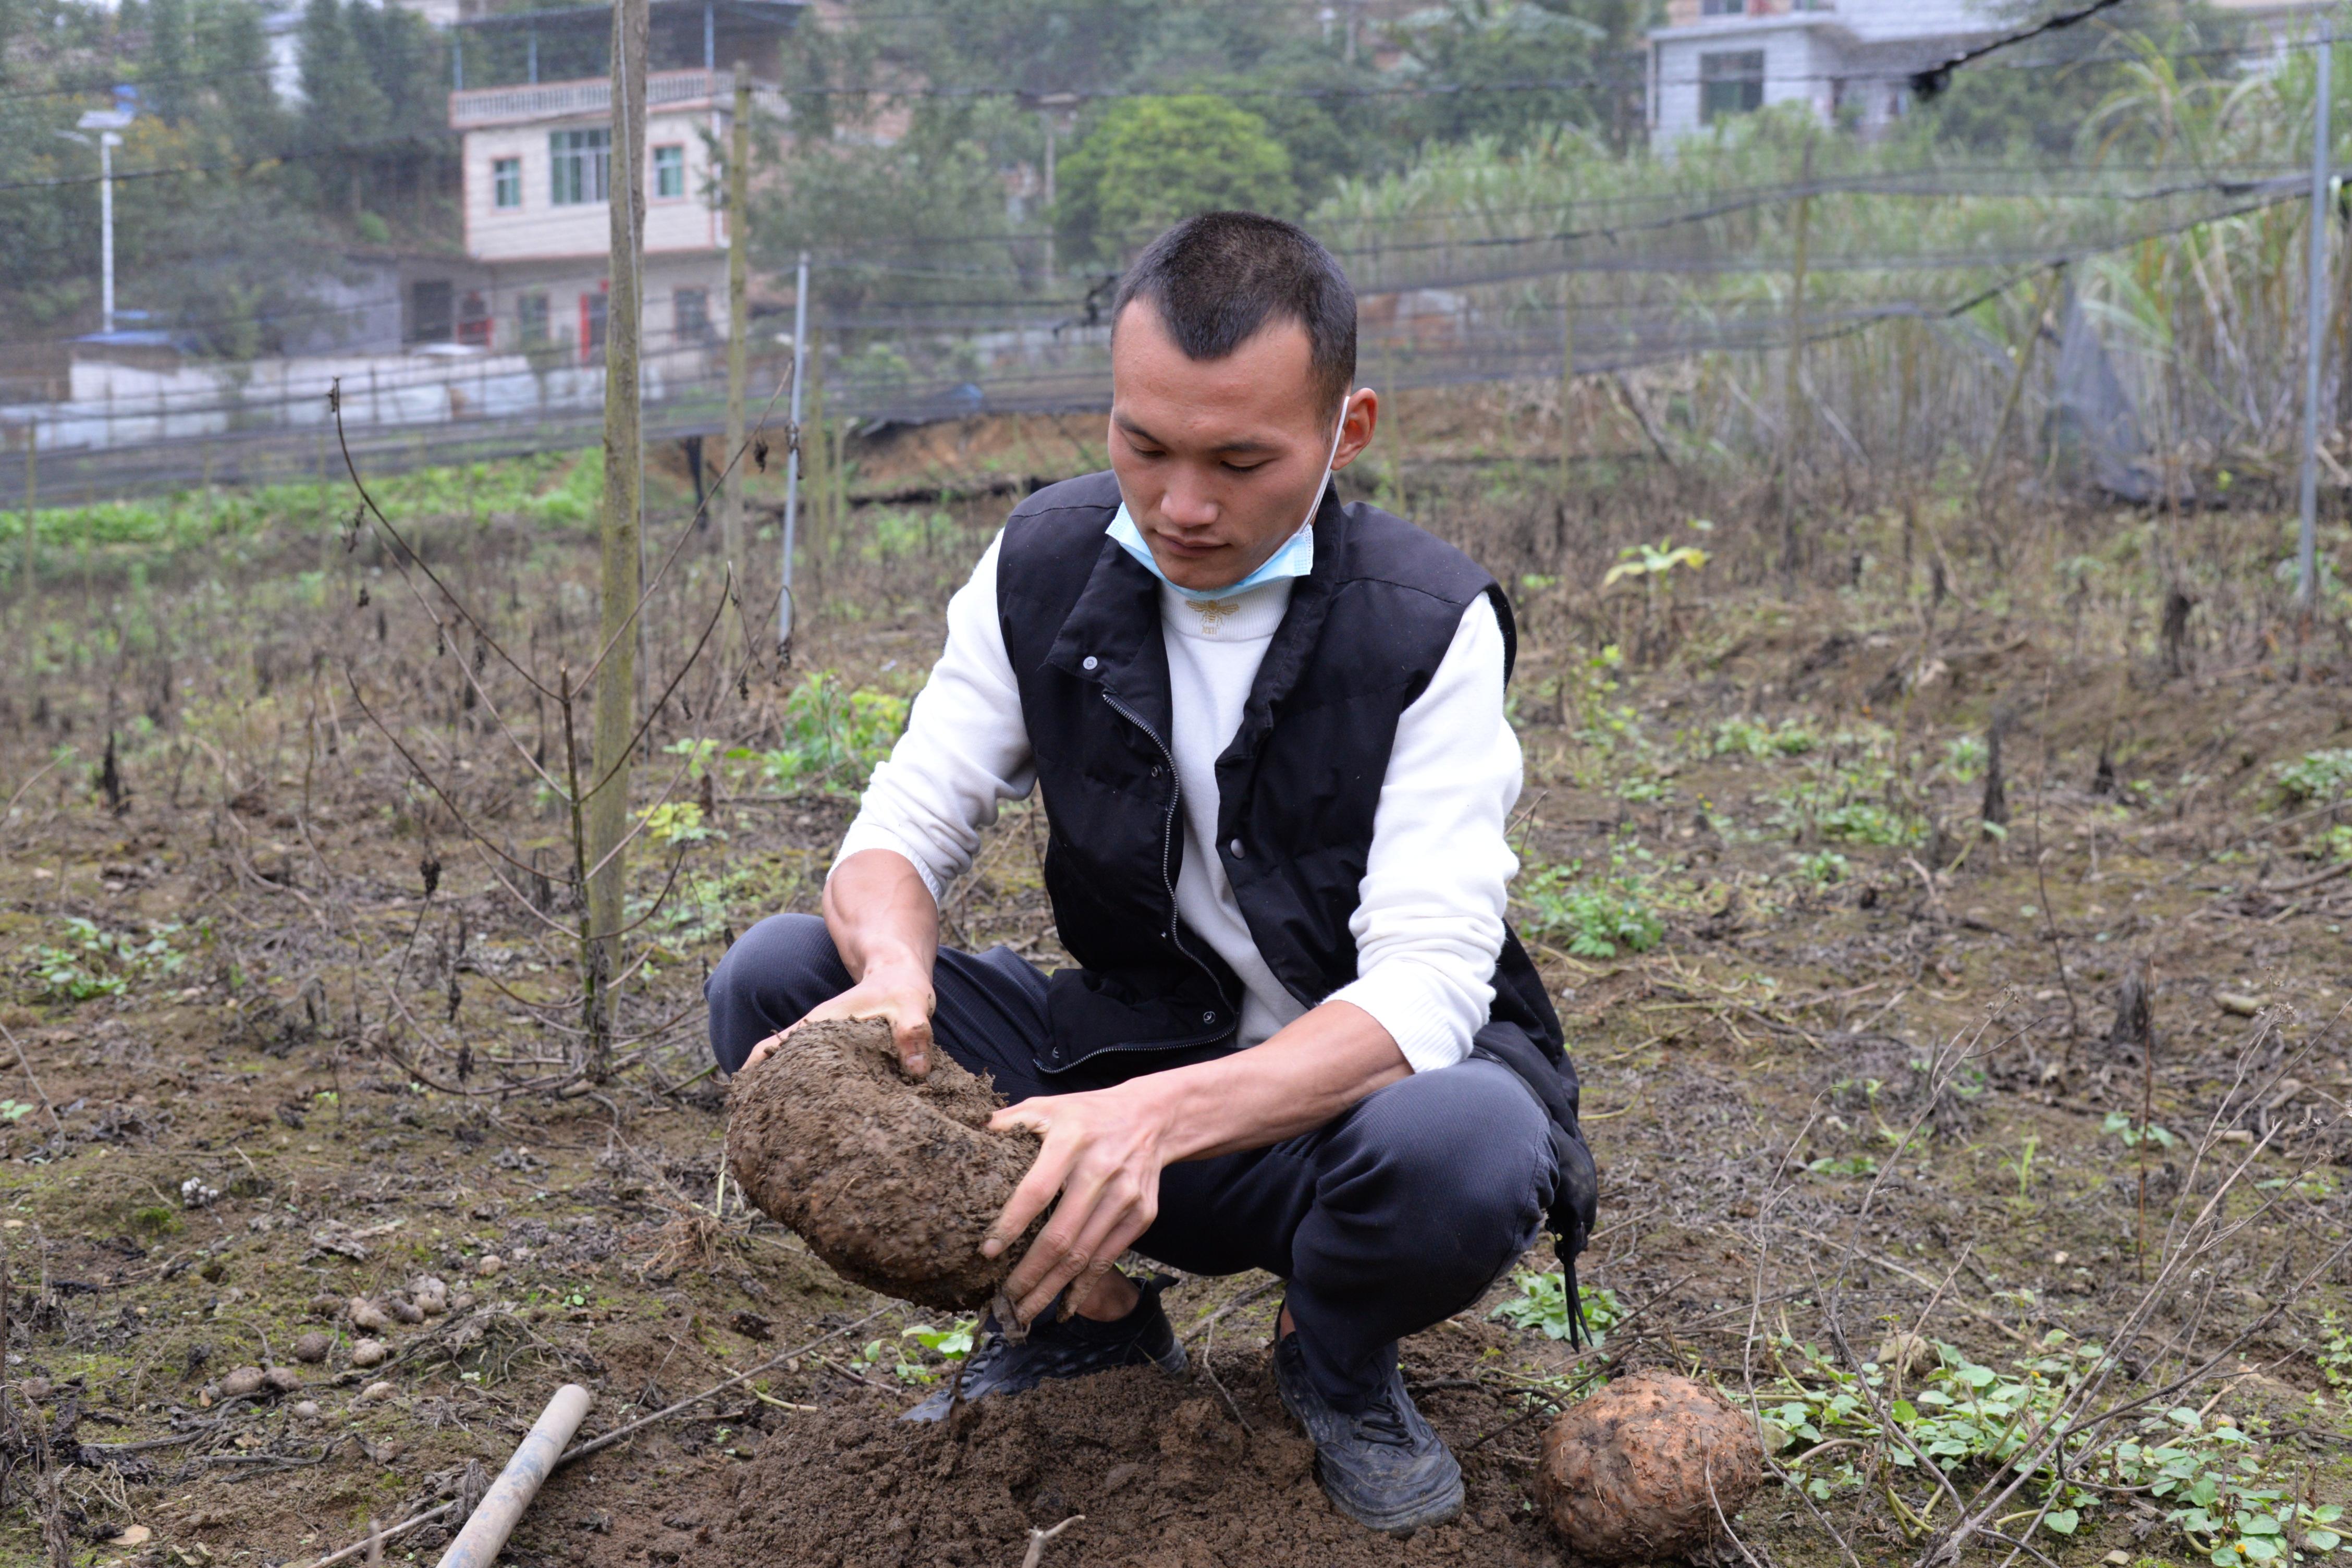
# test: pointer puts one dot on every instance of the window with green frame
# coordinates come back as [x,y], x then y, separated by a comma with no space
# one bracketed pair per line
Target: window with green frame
[582,166]
[1730,84]
[670,173]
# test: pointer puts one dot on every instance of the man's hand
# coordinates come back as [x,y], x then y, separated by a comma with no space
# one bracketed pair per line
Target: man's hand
[1104,1149]
[900,993]
[1103,1152]
[887,930]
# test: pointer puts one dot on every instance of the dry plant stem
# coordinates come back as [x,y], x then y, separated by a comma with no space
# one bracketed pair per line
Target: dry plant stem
[2146,1120]
[38,1092]
[1944,1069]
[1256,1292]
[1038,1538]
[1209,1369]
[1728,1533]
[2061,1436]
[2040,873]
[31,779]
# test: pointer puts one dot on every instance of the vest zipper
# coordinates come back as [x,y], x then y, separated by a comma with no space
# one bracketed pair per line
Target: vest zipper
[1167,832]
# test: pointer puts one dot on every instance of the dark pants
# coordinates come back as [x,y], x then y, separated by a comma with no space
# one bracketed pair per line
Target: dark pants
[1393,1215]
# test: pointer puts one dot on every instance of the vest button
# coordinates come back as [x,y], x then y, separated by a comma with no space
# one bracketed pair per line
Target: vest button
[1091,661]
[1155,769]
[1236,847]
[1208,1018]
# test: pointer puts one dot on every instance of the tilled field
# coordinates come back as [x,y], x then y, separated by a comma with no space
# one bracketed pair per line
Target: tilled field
[1895,1114]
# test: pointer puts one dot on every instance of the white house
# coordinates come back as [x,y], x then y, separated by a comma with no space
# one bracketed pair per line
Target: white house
[1849,58]
[533,106]
[1852,59]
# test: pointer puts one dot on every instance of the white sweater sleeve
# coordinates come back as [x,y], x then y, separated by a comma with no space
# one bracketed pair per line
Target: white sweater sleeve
[1430,923]
[965,752]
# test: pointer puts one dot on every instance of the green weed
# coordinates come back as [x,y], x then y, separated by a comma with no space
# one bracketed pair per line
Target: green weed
[1746,738]
[2315,777]
[156,1219]
[1592,920]
[2133,1134]
[2221,1496]
[1823,868]
[833,737]
[91,961]
[1542,1305]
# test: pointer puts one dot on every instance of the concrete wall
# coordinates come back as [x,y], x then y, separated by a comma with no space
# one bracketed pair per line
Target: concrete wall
[116,404]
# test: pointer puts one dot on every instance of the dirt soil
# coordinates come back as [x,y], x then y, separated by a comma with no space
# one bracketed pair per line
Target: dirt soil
[1200,1471]
[280,1032]
[893,1182]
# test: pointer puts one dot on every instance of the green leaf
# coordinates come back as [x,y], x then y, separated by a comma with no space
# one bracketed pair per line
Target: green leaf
[1906,1412]
[2061,1521]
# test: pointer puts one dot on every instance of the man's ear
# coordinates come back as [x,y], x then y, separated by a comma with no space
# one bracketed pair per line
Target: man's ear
[1356,427]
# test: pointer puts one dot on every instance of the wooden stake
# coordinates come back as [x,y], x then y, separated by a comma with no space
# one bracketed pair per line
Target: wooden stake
[1792,399]
[607,806]
[739,322]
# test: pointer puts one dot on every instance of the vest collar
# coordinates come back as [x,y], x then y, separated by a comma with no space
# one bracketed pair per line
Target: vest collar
[1113,637]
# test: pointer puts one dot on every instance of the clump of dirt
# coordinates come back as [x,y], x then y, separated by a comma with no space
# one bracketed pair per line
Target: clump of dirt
[892,1181]
[1649,1468]
[1165,1471]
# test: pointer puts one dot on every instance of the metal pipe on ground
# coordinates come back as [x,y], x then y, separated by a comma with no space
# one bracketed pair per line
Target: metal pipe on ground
[478,1544]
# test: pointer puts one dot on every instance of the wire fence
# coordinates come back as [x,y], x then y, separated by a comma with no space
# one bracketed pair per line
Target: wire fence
[1912,284]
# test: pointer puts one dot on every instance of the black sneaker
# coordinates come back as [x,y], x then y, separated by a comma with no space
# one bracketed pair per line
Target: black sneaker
[1382,1466]
[1076,1348]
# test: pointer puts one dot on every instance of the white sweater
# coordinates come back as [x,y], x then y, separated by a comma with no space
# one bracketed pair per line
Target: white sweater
[1430,920]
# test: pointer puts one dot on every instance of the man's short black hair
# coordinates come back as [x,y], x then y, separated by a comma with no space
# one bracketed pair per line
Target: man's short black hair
[1217,278]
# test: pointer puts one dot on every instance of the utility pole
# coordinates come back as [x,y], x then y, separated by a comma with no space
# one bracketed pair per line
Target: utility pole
[109,123]
[1049,105]
[606,807]
[739,322]
[792,460]
[2306,546]
[107,142]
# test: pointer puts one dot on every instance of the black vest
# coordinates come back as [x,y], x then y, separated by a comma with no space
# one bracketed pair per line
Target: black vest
[1362,638]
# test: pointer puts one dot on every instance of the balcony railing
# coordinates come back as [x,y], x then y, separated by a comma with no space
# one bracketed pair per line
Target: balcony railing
[521,103]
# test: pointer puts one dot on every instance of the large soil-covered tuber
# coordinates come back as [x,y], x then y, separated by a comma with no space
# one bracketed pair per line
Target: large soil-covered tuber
[1626,1473]
[891,1182]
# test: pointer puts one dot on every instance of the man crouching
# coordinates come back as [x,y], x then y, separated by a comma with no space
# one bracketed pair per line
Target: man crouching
[1270,731]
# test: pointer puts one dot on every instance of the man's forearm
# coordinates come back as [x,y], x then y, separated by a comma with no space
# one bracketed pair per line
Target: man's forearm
[881,916]
[1309,1072]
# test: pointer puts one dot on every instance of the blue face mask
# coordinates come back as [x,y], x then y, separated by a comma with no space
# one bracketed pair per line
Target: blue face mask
[1296,558]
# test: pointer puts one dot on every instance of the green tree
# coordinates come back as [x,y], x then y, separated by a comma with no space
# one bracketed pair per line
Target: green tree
[170,65]
[1528,67]
[1151,161]
[2038,99]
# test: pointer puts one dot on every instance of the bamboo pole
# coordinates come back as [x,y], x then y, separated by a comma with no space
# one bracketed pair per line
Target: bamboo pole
[739,322]
[607,808]
[1793,412]
[793,460]
[2306,546]
[32,527]
[1566,374]
[478,1543]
